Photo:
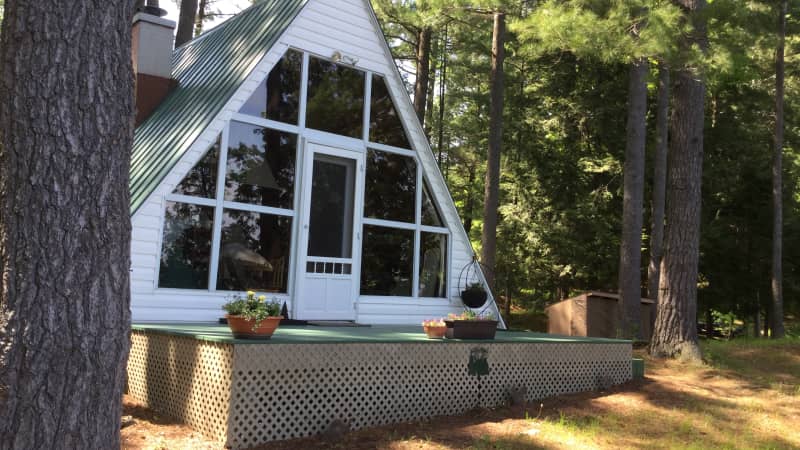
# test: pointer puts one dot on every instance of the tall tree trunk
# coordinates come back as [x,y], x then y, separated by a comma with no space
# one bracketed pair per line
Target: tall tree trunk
[65,144]
[491,197]
[675,332]
[186,22]
[423,72]
[202,10]
[630,253]
[659,182]
[777,182]
[442,92]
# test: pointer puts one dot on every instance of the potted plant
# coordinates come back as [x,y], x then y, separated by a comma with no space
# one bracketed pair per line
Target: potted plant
[469,325]
[434,328]
[252,317]
[474,296]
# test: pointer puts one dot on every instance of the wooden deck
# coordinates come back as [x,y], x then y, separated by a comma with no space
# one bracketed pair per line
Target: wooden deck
[246,392]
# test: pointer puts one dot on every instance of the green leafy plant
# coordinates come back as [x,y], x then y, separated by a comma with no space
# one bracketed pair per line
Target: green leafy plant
[471,315]
[475,287]
[252,307]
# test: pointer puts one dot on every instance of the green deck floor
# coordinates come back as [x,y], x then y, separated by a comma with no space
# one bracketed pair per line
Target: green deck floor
[374,334]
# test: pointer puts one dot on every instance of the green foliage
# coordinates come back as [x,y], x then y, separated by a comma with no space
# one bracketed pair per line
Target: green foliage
[564,138]
[252,307]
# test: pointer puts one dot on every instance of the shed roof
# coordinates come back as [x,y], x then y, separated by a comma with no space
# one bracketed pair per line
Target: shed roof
[209,70]
[597,294]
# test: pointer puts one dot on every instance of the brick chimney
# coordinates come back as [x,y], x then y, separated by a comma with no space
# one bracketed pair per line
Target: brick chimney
[151,50]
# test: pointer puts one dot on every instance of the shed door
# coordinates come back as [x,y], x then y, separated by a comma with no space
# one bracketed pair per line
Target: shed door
[326,271]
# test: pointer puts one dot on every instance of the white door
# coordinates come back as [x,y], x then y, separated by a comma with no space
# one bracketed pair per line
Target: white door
[326,282]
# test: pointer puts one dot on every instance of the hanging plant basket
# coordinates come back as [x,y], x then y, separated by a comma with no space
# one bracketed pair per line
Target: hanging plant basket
[473,295]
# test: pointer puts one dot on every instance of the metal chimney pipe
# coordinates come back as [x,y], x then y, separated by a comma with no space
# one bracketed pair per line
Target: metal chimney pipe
[150,8]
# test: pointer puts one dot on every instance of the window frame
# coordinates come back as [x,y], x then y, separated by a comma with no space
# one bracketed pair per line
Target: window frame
[305,135]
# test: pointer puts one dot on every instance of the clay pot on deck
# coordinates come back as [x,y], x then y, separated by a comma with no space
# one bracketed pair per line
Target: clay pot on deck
[243,328]
[435,332]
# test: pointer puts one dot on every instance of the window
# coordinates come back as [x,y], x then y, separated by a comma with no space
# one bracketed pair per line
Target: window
[278,97]
[433,265]
[260,168]
[404,242]
[430,215]
[390,186]
[387,261]
[335,98]
[385,126]
[186,246]
[331,216]
[202,179]
[254,252]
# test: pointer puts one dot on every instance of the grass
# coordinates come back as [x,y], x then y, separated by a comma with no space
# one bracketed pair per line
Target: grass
[747,396]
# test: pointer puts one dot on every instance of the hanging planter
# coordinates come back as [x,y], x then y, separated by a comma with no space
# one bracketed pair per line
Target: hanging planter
[473,295]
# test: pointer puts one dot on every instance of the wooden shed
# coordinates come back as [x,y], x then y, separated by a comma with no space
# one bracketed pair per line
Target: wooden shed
[594,314]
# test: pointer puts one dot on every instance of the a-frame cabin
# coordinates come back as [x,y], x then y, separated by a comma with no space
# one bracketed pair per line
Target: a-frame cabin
[286,158]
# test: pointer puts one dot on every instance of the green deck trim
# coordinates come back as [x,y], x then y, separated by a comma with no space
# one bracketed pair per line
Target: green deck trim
[350,335]
[209,70]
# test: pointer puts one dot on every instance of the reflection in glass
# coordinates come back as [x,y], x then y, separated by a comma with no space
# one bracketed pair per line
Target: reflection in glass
[331,216]
[430,214]
[385,126]
[278,97]
[186,248]
[387,261]
[261,166]
[202,179]
[254,252]
[433,265]
[390,186]
[335,98]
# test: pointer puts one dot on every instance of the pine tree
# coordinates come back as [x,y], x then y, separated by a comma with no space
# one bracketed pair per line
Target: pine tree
[64,222]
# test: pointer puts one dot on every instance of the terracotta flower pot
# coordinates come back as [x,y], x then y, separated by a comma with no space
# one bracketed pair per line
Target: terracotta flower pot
[243,328]
[434,332]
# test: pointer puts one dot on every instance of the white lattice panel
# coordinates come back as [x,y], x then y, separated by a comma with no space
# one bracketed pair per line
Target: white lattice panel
[184,378]
[284,391]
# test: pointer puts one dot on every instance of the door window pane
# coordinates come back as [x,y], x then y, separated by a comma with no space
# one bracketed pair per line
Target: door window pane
[331,215]
[430,215]
[202,179]
[433,265]
[278,97]
[387,261]
[390,186]
[335,98]
[385,126]
[261,166]
[186,247]
[254,252]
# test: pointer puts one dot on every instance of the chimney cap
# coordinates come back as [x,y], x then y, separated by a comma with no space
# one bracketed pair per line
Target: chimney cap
[152,8]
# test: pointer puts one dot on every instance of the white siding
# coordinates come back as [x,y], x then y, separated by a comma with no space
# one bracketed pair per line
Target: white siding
[323,28]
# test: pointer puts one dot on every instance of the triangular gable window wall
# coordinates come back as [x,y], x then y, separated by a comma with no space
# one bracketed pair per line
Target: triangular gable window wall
[228,224]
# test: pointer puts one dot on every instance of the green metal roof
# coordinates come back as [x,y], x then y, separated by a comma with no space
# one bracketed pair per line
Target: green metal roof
[209,70]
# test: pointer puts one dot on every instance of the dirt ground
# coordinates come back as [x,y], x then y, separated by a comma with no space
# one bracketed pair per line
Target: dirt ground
[748,397]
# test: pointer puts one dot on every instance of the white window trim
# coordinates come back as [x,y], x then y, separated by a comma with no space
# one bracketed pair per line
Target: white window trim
[304,135]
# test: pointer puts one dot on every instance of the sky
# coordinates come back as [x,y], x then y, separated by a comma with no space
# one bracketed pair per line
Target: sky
[223,6]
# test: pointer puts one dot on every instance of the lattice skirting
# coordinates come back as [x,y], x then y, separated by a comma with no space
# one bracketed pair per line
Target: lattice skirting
[247,394]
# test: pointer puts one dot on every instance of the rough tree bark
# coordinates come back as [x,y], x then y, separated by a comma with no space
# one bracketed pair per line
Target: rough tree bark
[778,330]
[66,129]
[187,18]
[491,197]
[675,332]
[423,72]
[630,252]
[659,182]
